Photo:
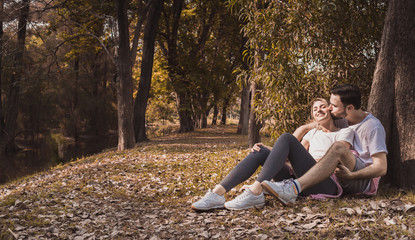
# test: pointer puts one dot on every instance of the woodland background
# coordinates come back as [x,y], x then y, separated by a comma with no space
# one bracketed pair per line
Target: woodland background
[88,75]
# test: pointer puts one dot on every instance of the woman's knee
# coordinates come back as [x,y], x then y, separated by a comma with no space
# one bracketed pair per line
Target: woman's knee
[259,156]
[286,137]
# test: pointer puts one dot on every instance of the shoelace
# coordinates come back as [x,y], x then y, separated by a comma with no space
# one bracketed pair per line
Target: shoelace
[242,196]
[287,181]
[208,196]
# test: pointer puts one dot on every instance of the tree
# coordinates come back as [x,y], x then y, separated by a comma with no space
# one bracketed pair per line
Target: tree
[91,28]
[124,80]
[1,65]
[392,97]
[254,123]
[169,46]
[10,126]
[303,48]
[140,105]
[200,67]
[244,109]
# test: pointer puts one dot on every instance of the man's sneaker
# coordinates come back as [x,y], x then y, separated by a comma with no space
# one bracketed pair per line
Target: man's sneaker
[284,191]
[246,200]
[211,200]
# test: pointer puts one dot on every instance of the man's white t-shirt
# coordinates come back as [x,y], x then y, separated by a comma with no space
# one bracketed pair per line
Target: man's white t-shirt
[321,141]
[369,137]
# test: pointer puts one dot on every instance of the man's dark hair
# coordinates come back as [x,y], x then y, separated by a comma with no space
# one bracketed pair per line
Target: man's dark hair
[349,94]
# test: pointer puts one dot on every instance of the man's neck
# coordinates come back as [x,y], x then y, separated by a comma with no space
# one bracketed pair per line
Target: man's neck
[356,117]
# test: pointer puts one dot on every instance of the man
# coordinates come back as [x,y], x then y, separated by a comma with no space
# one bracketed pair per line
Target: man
[356,171]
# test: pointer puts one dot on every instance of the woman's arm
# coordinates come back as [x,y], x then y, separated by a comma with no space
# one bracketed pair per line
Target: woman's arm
[306,144]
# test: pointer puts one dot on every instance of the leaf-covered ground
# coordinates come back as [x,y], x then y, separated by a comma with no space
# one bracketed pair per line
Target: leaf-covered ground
[146,193]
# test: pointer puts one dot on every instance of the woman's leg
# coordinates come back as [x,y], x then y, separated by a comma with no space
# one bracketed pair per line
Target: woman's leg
[245,169]
[242,171]
[287,146]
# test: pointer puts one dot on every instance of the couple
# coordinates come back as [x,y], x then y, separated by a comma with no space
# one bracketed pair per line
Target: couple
[334,156]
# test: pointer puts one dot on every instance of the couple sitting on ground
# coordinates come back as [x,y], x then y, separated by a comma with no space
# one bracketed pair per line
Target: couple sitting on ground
[346,155]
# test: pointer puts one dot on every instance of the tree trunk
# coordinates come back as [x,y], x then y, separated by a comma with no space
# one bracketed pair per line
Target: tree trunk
[176,74]
[144,85]
[215,114]
[224,111]
[204,110]
[185,112]
[1,67]
[254,125]
[392,97]
[75,103]
[244,111]
[124,81]
[16,80]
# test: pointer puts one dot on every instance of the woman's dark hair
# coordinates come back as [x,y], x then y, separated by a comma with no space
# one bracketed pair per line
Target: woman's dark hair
[349,94]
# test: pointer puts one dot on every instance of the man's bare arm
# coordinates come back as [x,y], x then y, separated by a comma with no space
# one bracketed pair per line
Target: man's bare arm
[376,169]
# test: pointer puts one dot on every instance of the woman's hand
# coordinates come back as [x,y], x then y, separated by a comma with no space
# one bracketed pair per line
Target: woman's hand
[257,147]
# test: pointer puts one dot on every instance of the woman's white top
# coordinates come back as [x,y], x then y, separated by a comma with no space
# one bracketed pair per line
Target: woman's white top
[321,141]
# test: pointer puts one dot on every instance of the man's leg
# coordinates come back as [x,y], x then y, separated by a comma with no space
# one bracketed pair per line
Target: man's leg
[316,179]
[287,146]
[337,154]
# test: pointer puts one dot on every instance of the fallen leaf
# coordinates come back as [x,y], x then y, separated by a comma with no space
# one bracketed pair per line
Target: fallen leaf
[409,207]
[389,221]
[307,210]
[310,225]
[374,205]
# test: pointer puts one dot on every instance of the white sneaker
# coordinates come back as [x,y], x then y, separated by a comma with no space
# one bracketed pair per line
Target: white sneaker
[284,191]
[211,200]
[246,200]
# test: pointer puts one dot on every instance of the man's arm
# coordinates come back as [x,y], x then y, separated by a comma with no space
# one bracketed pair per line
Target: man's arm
[302,130]
[376,169]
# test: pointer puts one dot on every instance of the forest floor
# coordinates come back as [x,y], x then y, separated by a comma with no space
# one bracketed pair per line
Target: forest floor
[146,193]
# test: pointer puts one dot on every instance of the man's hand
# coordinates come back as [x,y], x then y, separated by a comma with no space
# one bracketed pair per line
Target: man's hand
[343,172]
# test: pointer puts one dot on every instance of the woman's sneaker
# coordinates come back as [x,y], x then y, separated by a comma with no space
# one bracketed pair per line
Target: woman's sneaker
[246,200]
[210,201]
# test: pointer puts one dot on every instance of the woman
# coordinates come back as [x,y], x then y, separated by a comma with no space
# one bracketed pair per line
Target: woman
[302,156]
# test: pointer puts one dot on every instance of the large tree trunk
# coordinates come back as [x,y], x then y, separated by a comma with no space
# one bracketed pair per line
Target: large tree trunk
[244,111]
[124,81]
[8,133]
[254,125]
[392,97]
[1,66]
[144,85]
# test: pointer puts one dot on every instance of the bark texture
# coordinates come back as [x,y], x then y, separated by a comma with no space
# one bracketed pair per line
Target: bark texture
[254,125]
[392,97]
[124,81]
[244,111]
